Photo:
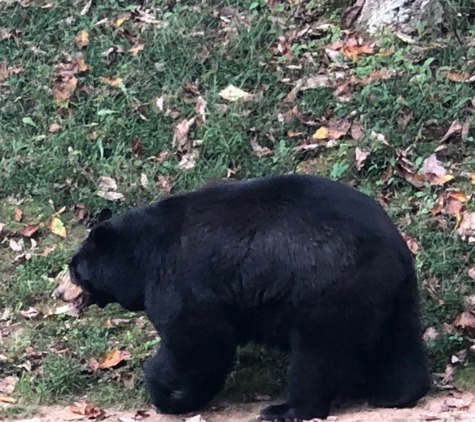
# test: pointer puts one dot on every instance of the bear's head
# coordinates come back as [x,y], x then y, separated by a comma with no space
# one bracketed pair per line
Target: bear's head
[104,266]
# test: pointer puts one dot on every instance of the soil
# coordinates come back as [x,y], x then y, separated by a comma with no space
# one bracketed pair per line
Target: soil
[453,407]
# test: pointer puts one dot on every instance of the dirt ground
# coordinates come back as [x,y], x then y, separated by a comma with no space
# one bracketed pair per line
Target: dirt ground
[443,408]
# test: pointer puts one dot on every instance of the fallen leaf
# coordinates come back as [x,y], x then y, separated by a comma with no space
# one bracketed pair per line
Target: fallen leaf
[467,225]
[93,364]
[88,410]
[111,80]
[410,242]
[457,76]
[406,170]
[455,127]
[113,358]
[434,172]
[15,246]
[471,273]
[332,130]
[361,156]
[456,403]
[379,137]
[180,133]
[82,39]
[48,250]
[356,131]
[136,48]
[143,180]
[1,227]
[231,93]
[9,400]
[7,384]
[119,20]
[18,214]
[258,150]
[201,107]
[111,196]
[430,334]
[30,313]
[163,184]
[57,227]
[28,231]
[188,160]
[65,82]
[54,127]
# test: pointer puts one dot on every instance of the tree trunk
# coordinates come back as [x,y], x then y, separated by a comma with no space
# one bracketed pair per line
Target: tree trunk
[398,15]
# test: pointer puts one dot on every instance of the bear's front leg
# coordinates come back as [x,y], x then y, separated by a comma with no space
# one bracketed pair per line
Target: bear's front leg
[191,366]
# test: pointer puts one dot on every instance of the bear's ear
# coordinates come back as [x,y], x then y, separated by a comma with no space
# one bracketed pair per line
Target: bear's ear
[104,215]
[104,236]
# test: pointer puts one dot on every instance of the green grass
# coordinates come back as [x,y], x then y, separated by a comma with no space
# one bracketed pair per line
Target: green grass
[42,171]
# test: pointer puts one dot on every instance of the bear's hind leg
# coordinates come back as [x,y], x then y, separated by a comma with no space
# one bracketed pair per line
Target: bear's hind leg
[314,379]
[191,366]
[399,372]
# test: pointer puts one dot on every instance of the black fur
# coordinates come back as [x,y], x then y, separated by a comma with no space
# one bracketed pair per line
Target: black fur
[297,262]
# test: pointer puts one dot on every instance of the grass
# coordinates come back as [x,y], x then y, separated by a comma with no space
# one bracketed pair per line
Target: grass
[204,47]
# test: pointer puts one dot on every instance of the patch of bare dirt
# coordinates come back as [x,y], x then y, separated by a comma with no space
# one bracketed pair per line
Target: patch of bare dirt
[442,408]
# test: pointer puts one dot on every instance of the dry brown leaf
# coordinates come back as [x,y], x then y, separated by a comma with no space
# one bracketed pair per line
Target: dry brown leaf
[111,80]
[356,131]
[180,133]
[466,321]
[434,172]
[258,150]
[361,156]
[28,231]
[467,226]
[54,127]
[353,51]
[107,189]
[188,160]
[471,273]
[455,127]
[457,76]
[88,410]
[332,130]
[379,137]
[18,214]
[410,242]
[200,107]
[113,358]
[7,384]
[136,146]
[82,39]
[406,170]
[111,196]
[136,48]
[15,246]
[164,184]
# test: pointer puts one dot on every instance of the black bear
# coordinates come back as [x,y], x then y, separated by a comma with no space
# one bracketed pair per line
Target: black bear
[296,262]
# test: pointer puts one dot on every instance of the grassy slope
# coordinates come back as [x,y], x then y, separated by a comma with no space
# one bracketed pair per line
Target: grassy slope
[197,47]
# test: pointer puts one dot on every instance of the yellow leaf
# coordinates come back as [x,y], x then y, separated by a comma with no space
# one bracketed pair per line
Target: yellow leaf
[5,399]
[321,133]
[472,176]
[459,196]
[111,80]
[82,39]
[57,227]
[136,48]
[82,65]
